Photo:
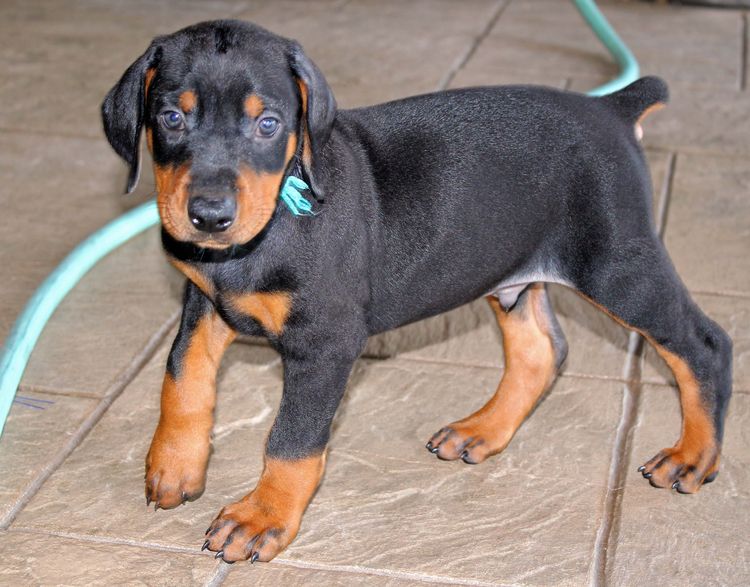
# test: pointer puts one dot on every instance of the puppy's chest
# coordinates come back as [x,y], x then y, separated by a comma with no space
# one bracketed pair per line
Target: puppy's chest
[243,310]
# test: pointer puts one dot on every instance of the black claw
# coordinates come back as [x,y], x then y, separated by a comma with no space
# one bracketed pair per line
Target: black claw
[428,446]
[219,554]
[205,545]
[647,475]
[207,531]
[434,449]
[184,496]
[254,558]
[148,501]
[156,505]
[676,485]
[641,468]
[710,478]
[465,458]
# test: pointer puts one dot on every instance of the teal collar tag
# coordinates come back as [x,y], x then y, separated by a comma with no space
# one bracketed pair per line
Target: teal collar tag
[298,204]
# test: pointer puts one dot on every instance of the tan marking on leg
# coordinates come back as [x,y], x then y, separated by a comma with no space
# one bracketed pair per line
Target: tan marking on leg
[265,521]
[270,309]
[188,101]
[529,370]
[150,140]
[696,454]
[254,106]
[697,448]
[176,462]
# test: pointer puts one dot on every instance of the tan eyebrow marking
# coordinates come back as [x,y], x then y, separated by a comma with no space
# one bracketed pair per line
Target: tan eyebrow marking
[187,101]
[254,106]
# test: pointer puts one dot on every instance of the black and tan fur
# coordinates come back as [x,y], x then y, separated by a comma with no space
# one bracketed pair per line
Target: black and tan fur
[424,204]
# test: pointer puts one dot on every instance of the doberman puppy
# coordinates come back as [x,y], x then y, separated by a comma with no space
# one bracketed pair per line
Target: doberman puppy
[415,207]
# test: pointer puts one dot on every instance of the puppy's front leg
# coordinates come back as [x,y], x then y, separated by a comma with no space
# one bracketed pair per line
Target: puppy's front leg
[176,462]
[265,521]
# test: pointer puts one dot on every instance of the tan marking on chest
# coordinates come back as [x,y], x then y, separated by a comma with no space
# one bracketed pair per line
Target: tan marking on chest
[194,275]
[270,309]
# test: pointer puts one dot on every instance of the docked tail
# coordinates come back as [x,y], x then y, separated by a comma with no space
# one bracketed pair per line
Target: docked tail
[635,101]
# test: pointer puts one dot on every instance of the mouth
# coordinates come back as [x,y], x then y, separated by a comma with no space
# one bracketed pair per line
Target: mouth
[212,242]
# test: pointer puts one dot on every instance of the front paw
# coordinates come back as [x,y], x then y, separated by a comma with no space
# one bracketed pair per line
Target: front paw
[254,528]
[683,470]
[472,442]
[176,466]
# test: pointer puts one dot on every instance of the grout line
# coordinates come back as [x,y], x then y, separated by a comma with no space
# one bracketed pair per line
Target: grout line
[112,393]
[605,534]
[459,64]
[724,294]
[406,575]
[25,388]
[223,569]
[665,195]
[109,540]
[743,51]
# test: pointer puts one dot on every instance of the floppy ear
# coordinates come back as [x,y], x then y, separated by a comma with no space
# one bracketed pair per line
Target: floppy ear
[123,110]
[318,110]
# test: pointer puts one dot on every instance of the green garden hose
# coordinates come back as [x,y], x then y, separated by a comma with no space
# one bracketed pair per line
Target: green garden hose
[29,325]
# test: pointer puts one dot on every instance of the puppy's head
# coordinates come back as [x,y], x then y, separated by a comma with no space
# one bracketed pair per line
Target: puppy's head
[227,107]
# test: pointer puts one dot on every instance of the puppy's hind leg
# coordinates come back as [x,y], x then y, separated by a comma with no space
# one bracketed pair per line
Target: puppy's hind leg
[639,287]
[534,348]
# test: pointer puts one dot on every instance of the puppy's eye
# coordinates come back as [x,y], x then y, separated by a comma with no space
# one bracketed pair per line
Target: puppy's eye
[172,120]
[268,126]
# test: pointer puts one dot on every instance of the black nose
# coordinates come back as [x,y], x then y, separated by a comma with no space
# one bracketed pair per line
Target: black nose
[212,214]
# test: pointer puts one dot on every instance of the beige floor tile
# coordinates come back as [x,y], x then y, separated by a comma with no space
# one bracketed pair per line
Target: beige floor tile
[382,505]
[276,574]
[107,319]
[99,489]
[477,73]
[708,56]
[733,314]
[32,437]
[369,50]
[695,119]
[59,60]
[386,503]
[707,231]
[544,36]
[31,558]
[55,192]
[549,36]
[671,539]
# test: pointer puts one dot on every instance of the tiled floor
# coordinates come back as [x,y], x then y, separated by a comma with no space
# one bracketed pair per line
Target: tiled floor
[561,506]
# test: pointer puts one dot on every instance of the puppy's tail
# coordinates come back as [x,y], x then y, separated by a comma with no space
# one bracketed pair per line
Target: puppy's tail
[643,96]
